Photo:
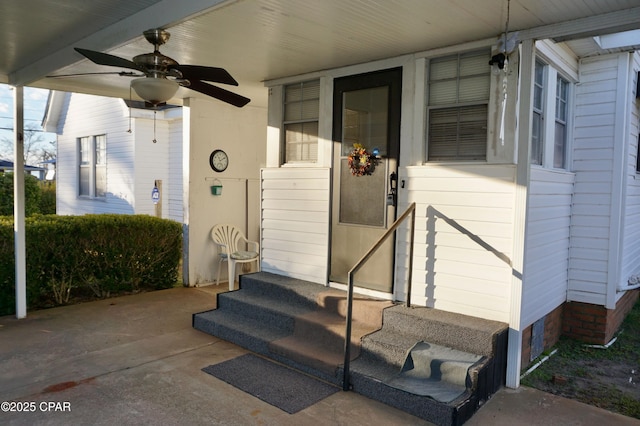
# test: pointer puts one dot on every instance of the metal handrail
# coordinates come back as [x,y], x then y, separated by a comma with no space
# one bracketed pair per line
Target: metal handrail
[411,210]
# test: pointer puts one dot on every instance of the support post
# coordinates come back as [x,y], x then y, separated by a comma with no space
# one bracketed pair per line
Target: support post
[18,202]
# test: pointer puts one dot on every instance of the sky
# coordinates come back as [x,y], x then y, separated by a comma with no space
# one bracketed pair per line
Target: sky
[35,101]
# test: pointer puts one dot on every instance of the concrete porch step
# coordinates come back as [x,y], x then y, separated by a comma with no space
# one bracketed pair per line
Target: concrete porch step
[456,363]
[318,340]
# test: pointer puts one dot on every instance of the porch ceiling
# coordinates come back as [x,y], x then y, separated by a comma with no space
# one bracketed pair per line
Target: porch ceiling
[258,40]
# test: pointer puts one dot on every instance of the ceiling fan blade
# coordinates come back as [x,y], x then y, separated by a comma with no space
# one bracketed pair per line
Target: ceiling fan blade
[79,74]
[218,93]
[198,72]
[106,59]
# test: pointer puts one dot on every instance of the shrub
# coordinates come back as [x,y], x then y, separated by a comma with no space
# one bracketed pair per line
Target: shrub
[31,195]
[99,254]
[47,198]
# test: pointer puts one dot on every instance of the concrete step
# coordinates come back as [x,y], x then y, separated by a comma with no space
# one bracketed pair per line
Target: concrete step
[436,365]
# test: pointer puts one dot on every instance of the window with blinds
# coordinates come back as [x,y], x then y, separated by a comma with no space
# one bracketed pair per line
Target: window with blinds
[301,112]
[458,97]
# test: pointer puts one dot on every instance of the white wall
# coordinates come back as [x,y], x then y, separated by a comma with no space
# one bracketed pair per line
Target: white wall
[241,132]
[594,156]
[88,115]
[631,234]
[173,188]
[463,237]
[547,244]
[152,162]
[295,222]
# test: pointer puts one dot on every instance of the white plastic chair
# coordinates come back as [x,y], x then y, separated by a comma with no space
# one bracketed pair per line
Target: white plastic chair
[231,241]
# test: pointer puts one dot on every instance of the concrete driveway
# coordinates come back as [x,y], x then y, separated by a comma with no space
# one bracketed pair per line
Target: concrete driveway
[136,360]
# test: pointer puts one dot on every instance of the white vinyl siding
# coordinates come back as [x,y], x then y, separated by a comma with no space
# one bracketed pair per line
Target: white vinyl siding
[295,222]
[547,246]
[463,239]
[173,191]
[593,160]
[300,127]
[631,234]
[458,97]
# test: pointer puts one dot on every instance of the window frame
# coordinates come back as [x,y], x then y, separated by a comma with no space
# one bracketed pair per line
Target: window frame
[95,165]
[553,75]
[457,108]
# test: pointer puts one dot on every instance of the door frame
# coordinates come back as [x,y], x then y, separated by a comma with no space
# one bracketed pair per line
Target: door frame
[391,77]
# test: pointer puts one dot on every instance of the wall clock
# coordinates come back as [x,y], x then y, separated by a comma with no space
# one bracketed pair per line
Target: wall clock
[218,160]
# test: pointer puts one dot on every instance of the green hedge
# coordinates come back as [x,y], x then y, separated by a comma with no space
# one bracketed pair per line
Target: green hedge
[95,255]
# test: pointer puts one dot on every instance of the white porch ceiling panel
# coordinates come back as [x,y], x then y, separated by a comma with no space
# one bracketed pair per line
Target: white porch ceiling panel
[257,40]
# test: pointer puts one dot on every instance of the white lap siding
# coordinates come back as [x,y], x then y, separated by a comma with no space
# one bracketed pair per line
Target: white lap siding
[547,244]
[295,222]
[596,106]
[463,238]
[631,234]
[88,116]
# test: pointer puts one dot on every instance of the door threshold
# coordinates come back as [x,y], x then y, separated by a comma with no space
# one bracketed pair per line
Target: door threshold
[363,291]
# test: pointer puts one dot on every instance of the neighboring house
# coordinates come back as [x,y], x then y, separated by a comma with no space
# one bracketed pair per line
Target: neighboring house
[107,159]
[7,166]
[525,180]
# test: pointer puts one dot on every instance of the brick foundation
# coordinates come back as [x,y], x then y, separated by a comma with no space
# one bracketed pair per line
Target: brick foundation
[552,330]
[596,324]
[581,321]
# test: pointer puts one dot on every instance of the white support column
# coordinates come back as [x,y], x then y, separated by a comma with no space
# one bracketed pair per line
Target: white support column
[186,191]
[18,202]
[514,349]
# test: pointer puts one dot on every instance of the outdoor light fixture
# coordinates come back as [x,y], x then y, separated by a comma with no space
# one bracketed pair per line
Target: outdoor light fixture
[498,60]
[155,90]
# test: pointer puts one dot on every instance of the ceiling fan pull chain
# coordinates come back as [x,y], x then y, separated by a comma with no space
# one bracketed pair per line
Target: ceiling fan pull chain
[129,131]
[154,126]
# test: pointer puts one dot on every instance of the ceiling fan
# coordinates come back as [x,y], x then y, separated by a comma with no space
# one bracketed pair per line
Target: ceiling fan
[163,75]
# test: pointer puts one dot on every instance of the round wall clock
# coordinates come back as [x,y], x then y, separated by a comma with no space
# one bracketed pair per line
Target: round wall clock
[218,160]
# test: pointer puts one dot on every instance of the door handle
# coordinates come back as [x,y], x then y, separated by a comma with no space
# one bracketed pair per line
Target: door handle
[392,195]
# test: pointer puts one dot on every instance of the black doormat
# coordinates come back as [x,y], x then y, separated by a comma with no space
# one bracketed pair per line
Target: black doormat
[275,384]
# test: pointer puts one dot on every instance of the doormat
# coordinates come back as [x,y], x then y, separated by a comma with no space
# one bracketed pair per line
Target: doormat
[273,383]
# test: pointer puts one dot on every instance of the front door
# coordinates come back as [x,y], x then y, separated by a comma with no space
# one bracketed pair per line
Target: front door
[366,116]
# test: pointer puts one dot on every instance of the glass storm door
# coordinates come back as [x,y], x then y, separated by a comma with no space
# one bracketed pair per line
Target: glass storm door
[366,113]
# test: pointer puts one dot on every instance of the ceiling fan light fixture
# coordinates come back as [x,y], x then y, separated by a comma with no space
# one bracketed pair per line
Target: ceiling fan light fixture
[155,90]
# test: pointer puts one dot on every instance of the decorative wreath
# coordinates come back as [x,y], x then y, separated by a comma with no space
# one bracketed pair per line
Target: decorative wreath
[361,161]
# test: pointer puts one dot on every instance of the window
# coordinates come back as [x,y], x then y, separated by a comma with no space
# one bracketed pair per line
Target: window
[92,173]
[458,97]
[301,111]
[550,99]
[562,109]
[537,131]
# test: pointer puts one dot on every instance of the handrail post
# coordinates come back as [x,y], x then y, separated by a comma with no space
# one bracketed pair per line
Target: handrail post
[412,228]
[347,335]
